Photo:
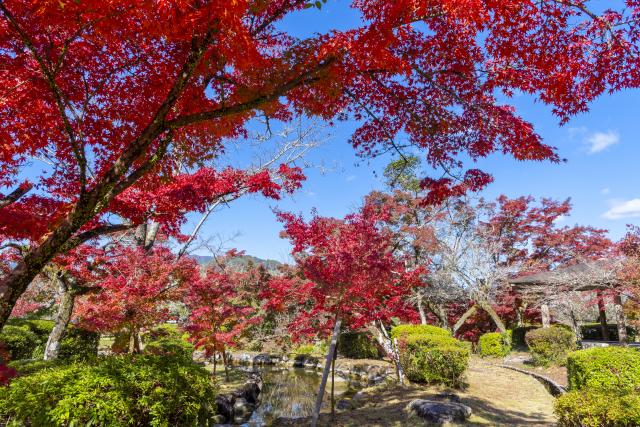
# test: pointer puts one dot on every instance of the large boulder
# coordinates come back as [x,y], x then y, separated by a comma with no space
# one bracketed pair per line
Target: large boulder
[439,412]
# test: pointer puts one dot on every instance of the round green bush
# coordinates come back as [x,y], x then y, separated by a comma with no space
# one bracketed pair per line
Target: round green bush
[77,343]
[168,340]
[358,345]
[614,368]
[41,327]
[550,345]
[115,391]
[434,359]
[402,331]
[19,341]
[304,349]
[597,408]
[494,344]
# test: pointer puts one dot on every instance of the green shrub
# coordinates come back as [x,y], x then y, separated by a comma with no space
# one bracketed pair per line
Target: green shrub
[434,359]
[77,343]
[42,328]
[598,408]
[494,344]
[168,340]
[19,341]
[29,366]
[304,349]
[614,368]
[550,345]
[115,391]
[402,331]
[358,345]
[518,334]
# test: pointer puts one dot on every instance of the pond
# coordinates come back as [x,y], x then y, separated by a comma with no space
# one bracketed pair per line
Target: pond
[291,393]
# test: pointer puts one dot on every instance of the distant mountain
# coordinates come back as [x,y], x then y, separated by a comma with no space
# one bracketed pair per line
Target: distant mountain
[242,261]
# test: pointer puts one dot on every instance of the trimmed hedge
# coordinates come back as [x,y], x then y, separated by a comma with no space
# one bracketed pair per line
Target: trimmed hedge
[598,408]
[30,366]
[27,338]
[402,331]
[358,345]
[607,368]
[19,341]
[494,344]
[434,359]
[168,340]
[116,391]
[550,345]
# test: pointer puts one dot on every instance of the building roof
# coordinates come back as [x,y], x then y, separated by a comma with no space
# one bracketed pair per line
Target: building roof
[591,269]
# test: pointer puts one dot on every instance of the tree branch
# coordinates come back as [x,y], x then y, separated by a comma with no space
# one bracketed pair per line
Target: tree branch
[15,194]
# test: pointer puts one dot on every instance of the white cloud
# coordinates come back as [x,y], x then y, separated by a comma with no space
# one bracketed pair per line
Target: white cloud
[599,141]
[605,191]
[351,178]
[624,209]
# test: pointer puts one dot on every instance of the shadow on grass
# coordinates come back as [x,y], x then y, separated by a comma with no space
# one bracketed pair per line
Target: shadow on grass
[492,415]
[389,414]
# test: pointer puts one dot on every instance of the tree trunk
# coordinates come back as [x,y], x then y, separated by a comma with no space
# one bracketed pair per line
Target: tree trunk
[224,362]
[546,316]
[325,372]
[390,347]
[574,324]
[470,312]
[620,319]
[602,316]
[423,317]
[333,381]
[134,341]
[441,314]
[63,317]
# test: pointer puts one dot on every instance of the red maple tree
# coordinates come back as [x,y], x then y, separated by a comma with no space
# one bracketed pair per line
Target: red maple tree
[220,305]
[133,288]
[347,270]
[110,92]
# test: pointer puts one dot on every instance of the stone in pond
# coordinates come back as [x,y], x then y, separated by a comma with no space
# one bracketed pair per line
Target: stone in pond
[439,412]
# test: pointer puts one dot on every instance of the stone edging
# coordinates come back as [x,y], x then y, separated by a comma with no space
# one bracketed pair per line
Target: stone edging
[553,387]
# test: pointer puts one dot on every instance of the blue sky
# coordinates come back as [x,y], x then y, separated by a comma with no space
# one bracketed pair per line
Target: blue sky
[601,175]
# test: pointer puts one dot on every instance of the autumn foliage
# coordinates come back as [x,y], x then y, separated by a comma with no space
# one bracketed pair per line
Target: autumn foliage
[347,269]
[121,97]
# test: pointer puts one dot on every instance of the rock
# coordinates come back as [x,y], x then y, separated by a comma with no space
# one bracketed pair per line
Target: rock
[439,412]
[343,404]
[218,419]
[242,408]
[250,390]
[262,359]
[225,406]
[305,361]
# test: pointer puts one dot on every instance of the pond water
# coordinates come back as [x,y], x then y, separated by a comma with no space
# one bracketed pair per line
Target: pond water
[291,393]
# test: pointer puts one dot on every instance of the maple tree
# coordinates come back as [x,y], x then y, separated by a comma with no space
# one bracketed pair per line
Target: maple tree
[134,287]
[221,305]
[347,270]
[115,94]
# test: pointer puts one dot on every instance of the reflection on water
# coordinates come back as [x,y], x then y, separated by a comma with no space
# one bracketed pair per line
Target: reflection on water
[291,393]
